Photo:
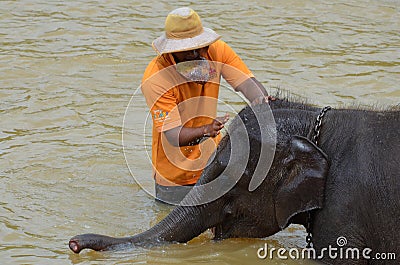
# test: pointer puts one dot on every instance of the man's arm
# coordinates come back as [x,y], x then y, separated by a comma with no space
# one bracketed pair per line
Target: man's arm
[183,136]
[253,90]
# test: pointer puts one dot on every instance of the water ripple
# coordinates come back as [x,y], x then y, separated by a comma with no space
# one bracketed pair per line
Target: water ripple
[69,70]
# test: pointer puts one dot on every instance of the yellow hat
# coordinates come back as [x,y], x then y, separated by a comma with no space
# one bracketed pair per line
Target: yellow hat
[184,31]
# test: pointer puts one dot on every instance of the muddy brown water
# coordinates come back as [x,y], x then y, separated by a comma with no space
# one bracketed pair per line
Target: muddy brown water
[69,70]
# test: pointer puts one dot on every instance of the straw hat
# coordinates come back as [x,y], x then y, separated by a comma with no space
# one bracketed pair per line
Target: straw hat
[184,31]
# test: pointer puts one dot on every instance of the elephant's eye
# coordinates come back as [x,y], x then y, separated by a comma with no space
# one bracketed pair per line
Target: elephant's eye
[286,161]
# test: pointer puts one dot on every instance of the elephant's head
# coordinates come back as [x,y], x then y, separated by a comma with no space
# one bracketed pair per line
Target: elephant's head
[294,183]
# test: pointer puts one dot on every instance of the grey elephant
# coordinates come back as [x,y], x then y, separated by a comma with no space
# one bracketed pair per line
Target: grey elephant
[346,187]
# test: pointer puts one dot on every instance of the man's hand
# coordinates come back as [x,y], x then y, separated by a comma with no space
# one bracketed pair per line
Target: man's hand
[214,128]
[262,99]
[183,136]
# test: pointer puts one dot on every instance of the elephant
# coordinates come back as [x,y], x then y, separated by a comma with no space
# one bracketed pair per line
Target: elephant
[344,186]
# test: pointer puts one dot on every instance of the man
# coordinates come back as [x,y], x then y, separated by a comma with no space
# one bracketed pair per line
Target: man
[181,88]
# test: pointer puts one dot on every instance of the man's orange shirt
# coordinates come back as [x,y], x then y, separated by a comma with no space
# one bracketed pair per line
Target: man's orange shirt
[173,102]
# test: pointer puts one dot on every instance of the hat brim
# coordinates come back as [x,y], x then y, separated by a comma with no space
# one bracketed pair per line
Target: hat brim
[164,45]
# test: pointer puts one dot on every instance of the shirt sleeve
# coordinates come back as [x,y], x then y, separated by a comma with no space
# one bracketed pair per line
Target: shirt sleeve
[162,104]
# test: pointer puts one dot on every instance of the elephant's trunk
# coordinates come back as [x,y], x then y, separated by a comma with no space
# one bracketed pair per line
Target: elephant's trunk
[94,241]
[181,225]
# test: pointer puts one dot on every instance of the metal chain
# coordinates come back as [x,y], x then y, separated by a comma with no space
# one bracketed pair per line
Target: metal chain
[318,123]
[308,230]
[317,132]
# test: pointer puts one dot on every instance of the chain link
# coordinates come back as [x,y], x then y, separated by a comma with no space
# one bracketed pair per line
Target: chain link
[317,132]
[318,123]
[308,230]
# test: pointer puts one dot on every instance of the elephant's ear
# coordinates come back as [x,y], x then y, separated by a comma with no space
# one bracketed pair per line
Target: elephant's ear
[303,187]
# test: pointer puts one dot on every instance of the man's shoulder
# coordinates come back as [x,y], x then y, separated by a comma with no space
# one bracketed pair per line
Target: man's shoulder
[218,45]
[153,67]
[158,76]
[220,50]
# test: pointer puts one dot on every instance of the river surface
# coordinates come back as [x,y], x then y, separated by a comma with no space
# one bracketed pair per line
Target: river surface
[70,69]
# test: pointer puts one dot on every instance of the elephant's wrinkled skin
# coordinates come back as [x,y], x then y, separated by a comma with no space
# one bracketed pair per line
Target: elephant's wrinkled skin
[350,183]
